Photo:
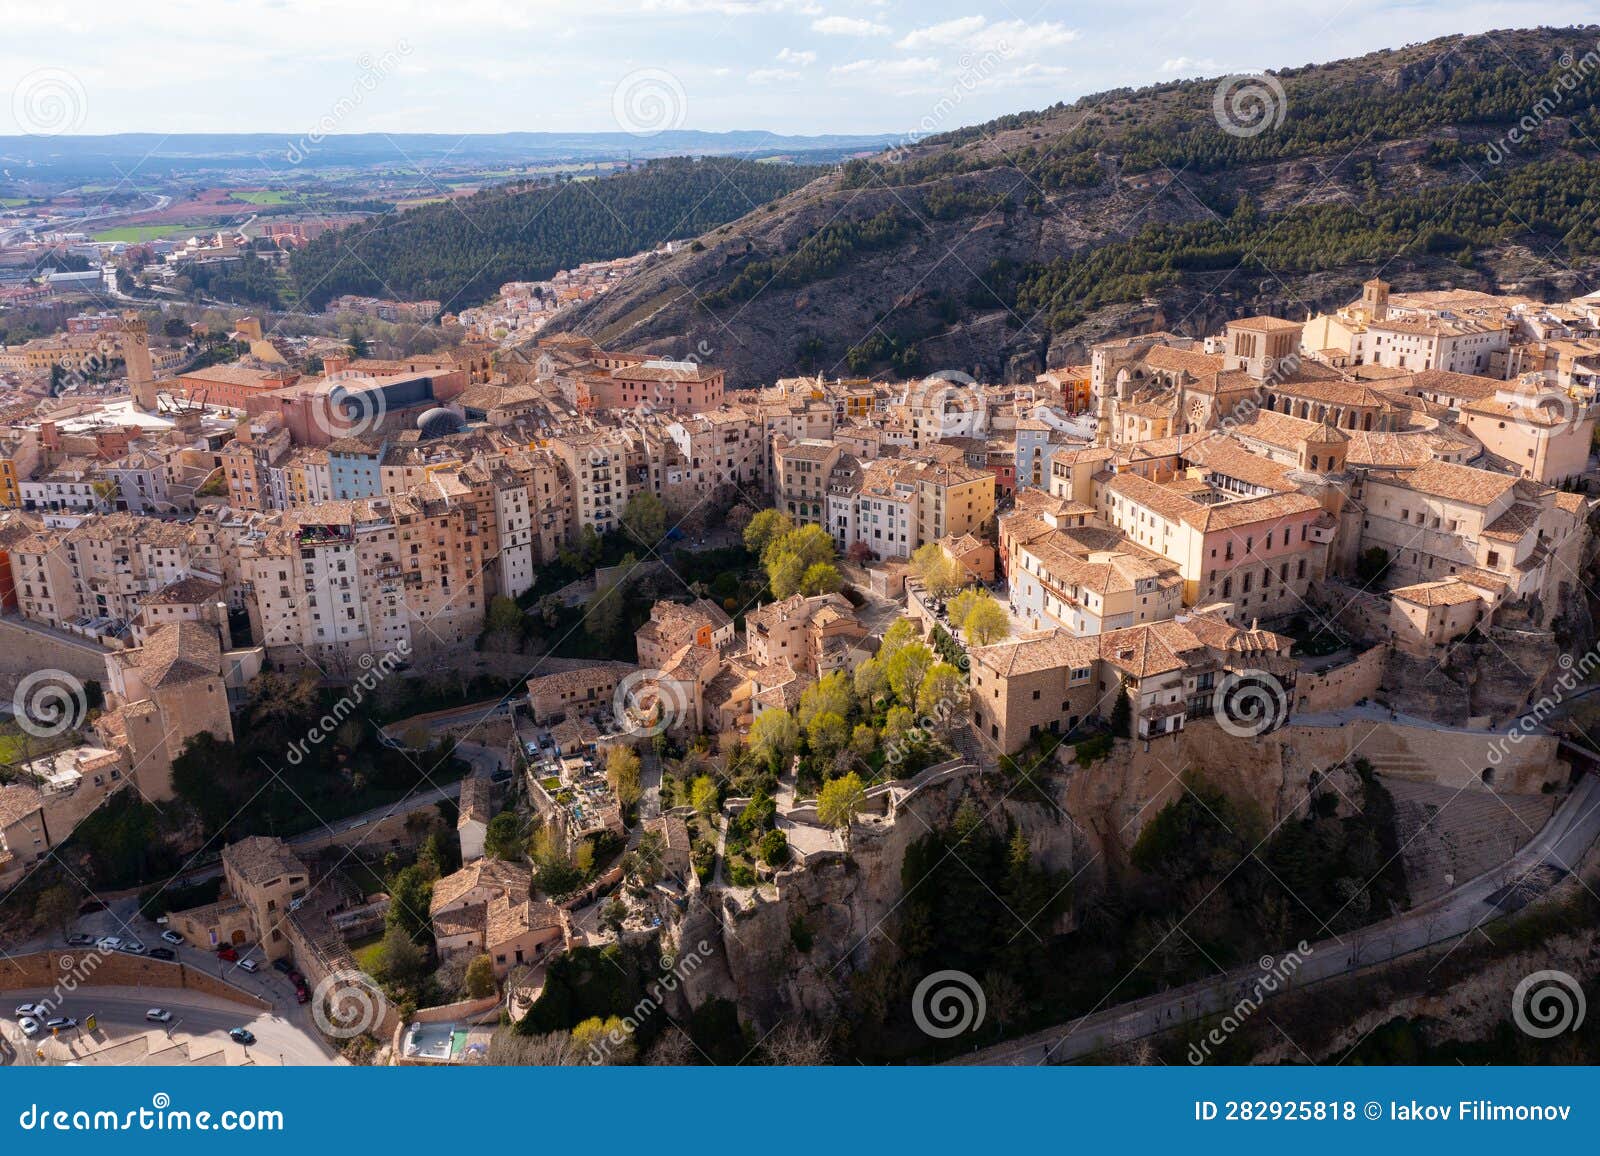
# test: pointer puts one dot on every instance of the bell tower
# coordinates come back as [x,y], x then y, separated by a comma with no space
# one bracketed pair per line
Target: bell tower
[136,356]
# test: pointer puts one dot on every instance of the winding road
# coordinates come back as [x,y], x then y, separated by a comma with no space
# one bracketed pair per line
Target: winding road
[1554,852]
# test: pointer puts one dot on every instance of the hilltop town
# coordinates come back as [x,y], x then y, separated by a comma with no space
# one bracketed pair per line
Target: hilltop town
[582,649]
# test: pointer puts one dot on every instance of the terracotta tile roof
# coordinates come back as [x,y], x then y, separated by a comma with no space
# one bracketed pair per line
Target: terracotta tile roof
[495,874]
[1458,483]
[260,859]
[1446,592]
[507,919]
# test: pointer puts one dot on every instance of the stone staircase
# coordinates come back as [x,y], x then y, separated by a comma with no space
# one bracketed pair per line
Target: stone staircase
[1449,836]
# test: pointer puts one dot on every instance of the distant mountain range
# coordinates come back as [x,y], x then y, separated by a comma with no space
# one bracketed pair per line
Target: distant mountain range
[183,152]
[1009,247]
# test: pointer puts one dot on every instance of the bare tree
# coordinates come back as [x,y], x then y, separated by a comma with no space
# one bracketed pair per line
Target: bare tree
[508,1048]
[673,1049]
[796,1044]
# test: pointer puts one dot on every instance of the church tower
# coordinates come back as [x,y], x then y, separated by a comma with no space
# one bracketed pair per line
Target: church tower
[136,356]
[1375,299]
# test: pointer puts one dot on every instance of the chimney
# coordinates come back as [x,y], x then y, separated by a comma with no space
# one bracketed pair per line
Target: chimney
[335,363]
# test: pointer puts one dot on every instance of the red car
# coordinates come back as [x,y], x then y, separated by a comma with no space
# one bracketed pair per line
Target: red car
[301,995]
[227,953]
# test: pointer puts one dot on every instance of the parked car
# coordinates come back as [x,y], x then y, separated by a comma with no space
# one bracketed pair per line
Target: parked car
[301,995]
[227,953]
[283,965]
[173,938]
[132,947]
[165,953]
[29,1026]
[296,978]
[158,1015]
[29,1009]
[249,965]
[61,1023]
[109,943]
[80,940]
[242,1036]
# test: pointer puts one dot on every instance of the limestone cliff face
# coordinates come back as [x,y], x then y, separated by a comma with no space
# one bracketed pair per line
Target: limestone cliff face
[792,946]
[844,904]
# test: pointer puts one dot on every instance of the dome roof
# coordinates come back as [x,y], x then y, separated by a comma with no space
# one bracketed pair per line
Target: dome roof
[439,421]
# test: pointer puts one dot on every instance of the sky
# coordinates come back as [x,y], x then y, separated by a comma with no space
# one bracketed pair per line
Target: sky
[791,66]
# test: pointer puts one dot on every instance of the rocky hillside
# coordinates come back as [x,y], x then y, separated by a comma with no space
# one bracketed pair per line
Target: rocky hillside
[1006,248]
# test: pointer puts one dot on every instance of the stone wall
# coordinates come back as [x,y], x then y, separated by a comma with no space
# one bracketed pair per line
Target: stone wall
[25,648]
[1344,685]
[47,969]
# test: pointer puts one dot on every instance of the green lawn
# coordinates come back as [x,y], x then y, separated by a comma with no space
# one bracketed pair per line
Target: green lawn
[262,196]
[134,234]
[368,953]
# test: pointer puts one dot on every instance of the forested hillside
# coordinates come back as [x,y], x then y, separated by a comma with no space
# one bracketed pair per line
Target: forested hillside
[1007,247]
[461,252]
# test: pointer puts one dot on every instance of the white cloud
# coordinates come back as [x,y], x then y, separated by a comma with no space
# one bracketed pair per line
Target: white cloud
[915,67]
[1187,66]
[771,75]
[979,34]
[849,26]
[803,57]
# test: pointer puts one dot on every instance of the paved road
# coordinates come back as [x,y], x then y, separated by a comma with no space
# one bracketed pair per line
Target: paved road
[203,1020]
[1559,847]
